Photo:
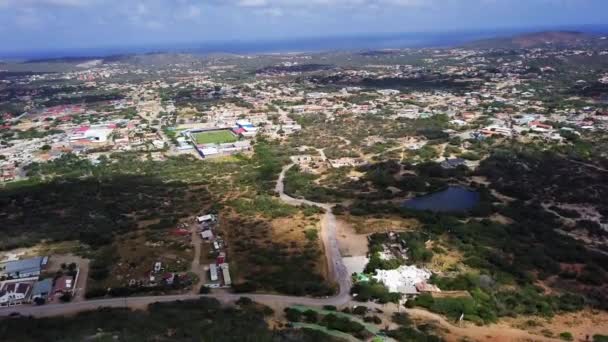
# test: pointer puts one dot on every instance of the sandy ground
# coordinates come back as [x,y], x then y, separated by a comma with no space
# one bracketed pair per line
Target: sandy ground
[580,324]
[349,242]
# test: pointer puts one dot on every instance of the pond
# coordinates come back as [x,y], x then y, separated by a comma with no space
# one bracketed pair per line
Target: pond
[452,199]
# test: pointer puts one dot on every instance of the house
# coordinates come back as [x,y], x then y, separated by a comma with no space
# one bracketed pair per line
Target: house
[14,294]
[42,289]
[453,163]
[403,279]
[226,274]
[63,285]
[424,287]
[345,162]
[213,272]
[540,127]
[207,235]
[496,130]
[25,268]
[205,219]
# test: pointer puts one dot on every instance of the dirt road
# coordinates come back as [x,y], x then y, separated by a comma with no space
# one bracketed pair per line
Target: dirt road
[335,264]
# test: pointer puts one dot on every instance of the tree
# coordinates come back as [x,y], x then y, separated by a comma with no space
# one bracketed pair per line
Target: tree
[244,301]
[45,147]
[293,315]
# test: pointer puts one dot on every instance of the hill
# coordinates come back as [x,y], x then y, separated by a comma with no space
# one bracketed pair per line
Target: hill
[558,39]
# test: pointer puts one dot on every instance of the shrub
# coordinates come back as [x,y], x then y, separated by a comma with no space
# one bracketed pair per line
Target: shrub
[360,310]
[95,293]
[293,315]
[566,336]
[244,301]
[311,316]
[600,338]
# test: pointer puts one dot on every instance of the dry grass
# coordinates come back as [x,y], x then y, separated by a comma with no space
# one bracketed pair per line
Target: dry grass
[370,225]
[136,257]
[580,324]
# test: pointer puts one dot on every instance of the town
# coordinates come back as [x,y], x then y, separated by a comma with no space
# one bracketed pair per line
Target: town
[464,183]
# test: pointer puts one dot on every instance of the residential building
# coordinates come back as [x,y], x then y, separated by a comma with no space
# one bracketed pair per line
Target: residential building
[14,294]
[25,268]
[42,288]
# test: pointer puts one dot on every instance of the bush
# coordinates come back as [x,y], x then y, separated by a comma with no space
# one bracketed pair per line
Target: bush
[360,310]
[341,324]
[402,318]
[376,320]
[204,290]
[312,234]
[244,301]
[246,287]
[95,293]
[311,316]
[470,156]
[330,308]
[366,291]
[566,336]
[293,315]
[66,297]
[600,338]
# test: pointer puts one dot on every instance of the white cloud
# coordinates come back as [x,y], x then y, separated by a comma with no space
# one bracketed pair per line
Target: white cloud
[271,12]
[188,12]
[252,3]
[56,3]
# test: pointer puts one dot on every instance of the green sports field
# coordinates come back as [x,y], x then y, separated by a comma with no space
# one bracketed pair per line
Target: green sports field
[214,137]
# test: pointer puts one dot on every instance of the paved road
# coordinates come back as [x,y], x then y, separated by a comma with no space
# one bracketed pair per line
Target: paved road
[334,259]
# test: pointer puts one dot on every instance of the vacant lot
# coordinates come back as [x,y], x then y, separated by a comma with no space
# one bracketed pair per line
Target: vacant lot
[214,137]
[281,255]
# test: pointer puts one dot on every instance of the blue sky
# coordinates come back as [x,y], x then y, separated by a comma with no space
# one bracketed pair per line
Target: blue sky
[58,24]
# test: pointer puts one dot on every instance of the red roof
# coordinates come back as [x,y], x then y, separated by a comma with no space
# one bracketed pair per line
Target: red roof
[83,128]
[22,288]
[180,232]
[238,130]
[62,284]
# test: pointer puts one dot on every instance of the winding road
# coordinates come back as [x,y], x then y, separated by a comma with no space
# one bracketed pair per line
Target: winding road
[335,265]
[336,268]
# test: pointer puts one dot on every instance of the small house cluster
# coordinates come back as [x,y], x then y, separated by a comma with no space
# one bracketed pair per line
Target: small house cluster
[219,270]
[24,282]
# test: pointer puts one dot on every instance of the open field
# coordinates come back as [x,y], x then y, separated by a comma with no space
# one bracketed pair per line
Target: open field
[281,255]
[214,137]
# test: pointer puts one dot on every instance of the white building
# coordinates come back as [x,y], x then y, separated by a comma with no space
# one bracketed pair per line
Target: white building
[14,294]
[403,279]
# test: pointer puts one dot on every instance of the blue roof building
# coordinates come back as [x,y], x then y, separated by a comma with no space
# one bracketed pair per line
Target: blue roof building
[25,268]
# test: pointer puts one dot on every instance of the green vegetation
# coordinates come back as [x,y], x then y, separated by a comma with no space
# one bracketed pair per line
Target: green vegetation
[600,338]
[302,185]
[264,205]
[207,321]
[214,137]
[409,332]
[31,133]
[373,290]
[270,265]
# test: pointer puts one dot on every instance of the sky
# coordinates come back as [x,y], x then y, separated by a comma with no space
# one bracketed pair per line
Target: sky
[27,25]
